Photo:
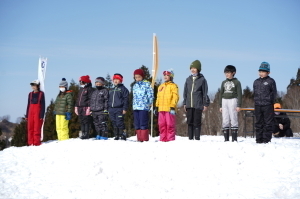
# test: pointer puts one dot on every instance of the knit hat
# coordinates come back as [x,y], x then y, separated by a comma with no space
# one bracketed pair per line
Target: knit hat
[139,72]
[196,64]
[100,79]
[63,83]
[264,66]
[35,82]
[230,68]
[118,76]
[169,72]
[277,106]
[85,79]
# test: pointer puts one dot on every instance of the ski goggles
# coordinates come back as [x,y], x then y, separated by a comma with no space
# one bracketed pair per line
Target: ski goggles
[168,73]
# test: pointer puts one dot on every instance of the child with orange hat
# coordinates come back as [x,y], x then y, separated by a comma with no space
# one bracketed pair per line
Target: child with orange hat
[282,124]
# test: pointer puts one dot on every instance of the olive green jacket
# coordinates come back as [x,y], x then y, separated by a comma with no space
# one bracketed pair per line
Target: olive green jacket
[64,103]
[231,88]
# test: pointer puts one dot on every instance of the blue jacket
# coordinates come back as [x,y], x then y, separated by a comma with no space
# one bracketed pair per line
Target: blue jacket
[118,97]
[142,95]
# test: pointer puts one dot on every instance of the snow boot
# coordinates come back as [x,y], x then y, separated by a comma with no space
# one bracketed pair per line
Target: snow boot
[122,134]
[226,134]
[138,135]
[104,136]
[144,135]
[191,132]
[116,132]
[234,133]
[84,136]
[197,131]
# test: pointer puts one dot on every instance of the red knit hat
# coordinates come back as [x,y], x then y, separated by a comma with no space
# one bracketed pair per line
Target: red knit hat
[118,76]
[85,79]
[139,72]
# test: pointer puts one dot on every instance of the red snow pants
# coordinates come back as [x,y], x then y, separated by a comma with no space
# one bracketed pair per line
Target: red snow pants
[167,129]
[34,125]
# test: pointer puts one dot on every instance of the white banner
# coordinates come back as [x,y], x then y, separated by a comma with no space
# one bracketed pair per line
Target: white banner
[41,77]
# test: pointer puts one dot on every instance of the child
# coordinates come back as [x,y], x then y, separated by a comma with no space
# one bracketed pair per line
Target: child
[166,102]
[82,108]
[99,107]
[230,102]
[195,99]
[63,110]
[35,114]
[265,92]
[282,124]
[118,104]
[142,101]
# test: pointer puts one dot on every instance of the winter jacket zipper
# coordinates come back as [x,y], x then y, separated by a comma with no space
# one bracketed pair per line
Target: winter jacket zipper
[80,97]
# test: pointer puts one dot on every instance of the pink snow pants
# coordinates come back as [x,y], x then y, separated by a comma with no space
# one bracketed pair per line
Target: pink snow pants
[167,129]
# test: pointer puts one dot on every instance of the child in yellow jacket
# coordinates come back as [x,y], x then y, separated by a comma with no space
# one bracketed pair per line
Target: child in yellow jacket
[166,102]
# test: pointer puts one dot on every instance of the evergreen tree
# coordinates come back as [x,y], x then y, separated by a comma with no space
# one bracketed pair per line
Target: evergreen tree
[295,82]
[20,134]
[109,85]
[49,131]
[74,125]
[2,141]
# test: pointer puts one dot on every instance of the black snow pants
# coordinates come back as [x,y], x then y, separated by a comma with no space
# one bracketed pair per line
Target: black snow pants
[264,116]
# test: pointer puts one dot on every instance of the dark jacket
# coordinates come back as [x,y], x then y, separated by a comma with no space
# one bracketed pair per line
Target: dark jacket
[33,98]
[99,99]
[84,96]
[284,120]
[265,91]
[231,88]
[118,97]
[64,103]
[195,92]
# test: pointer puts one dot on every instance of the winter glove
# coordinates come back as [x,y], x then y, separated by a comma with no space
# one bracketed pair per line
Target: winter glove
[76,110]
[105,113]
[88,111]
[172,111]
[68,115]
[155,111]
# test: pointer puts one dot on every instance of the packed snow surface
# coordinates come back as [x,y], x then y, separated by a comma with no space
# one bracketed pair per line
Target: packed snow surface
[209,168]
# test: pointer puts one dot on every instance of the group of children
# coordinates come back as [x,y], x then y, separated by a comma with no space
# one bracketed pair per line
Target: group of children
[96,105]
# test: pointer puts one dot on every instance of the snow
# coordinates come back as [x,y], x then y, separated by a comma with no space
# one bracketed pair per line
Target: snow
[181,169]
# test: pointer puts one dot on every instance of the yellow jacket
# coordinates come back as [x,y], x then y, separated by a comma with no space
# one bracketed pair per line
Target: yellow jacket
[167,96]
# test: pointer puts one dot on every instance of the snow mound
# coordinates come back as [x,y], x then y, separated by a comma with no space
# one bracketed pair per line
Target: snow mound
[180,169]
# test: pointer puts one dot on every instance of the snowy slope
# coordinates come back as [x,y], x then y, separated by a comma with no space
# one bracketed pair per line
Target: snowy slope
[181,169]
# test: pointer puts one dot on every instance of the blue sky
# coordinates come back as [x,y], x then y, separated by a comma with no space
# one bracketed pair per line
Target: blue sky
[99,37]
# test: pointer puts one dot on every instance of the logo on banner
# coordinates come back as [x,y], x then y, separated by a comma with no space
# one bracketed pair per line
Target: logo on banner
[43,64]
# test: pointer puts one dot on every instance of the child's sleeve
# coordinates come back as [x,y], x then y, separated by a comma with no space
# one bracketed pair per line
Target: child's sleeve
[28,104]
[174,96]
[125,94]
[106,97]
[90,90]
[221,93]
[239,93]
[205,91]
[42,111]
[274,91]
[184,93]
[157,97]
[150,94]
[69,103]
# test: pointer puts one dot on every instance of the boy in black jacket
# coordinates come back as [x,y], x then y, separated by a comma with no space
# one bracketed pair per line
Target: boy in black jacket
[118,105]
[99,107]
[265,92]
[83,107]
[282,124]
[195,99]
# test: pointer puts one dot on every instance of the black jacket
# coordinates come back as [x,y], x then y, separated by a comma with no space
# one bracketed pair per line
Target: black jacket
[195,92]
[118,97]
[265,91]
[84,96]
[284,120]
[99,99]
